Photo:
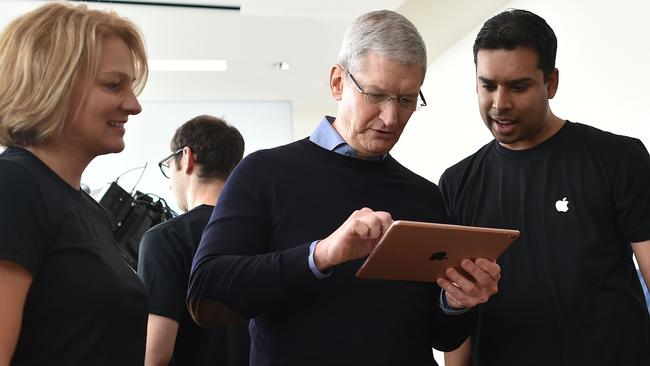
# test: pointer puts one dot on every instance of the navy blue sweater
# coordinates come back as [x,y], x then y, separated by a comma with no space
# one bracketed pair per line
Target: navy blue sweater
[253,258]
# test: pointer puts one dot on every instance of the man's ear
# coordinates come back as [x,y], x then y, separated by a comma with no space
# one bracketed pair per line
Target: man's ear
[187,160]
[336,82]
[552,83]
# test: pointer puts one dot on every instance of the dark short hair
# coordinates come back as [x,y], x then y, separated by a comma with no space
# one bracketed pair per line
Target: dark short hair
[519,28]
[218,147]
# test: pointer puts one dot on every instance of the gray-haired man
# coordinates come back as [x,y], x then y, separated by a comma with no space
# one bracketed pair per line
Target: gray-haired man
[294,222]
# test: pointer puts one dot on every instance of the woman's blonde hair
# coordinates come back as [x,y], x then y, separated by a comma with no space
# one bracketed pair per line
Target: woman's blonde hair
[43,54]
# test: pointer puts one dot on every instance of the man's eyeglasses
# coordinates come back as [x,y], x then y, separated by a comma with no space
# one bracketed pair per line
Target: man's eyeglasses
[164,163]
[404,103]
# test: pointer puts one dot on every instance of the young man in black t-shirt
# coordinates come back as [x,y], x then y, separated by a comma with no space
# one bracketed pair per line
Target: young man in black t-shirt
[204,152]
[580,197]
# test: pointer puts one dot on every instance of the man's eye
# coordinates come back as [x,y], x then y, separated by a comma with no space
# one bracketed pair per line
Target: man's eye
[489,87]
[520,87]
[376,98]
[403,101]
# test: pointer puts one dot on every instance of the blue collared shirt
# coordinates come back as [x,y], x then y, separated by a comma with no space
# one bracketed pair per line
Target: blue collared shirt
[326,136]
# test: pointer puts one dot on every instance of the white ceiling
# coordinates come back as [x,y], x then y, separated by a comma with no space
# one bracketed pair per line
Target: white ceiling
[305,33]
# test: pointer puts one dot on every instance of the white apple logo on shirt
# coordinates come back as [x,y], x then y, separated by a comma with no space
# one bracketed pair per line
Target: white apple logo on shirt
[562,205]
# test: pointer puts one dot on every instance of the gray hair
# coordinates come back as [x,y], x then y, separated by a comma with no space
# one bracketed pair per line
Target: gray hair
[386,33]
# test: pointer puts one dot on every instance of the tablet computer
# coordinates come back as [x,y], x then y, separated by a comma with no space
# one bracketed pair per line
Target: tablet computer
[422,251]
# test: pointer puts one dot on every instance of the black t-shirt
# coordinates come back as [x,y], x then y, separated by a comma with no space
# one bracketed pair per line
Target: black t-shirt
[165,260]
[85,305]
[569,293]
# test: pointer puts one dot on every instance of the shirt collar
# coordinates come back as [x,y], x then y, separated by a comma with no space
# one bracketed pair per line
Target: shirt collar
[326,136]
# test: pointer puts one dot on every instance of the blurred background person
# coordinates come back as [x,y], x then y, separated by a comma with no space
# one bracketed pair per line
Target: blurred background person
[204,151]
[69,79]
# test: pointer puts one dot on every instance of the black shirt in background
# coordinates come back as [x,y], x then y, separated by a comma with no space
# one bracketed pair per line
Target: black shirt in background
[165,260]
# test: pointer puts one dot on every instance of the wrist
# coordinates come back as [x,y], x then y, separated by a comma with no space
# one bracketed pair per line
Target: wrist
[320,256]
[448,308]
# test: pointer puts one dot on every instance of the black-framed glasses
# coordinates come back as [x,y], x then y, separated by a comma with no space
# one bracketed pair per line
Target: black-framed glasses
[164,163]
[404,103]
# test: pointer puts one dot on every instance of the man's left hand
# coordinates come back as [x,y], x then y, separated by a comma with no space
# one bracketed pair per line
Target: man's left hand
[463,292]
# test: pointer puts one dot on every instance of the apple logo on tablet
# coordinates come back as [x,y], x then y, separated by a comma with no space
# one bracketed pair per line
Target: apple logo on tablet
[438,256]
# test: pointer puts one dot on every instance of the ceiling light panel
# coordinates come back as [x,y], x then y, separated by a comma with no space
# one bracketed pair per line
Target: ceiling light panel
[188,65]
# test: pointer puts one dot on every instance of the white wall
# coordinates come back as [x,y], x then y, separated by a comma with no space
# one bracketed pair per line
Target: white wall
[262,124]
[603,53]
[306,117]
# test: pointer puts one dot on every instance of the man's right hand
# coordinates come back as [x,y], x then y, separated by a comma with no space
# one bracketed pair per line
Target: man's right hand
[354,239]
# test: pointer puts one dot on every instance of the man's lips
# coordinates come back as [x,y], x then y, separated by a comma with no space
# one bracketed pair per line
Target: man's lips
[504,121]
[503,125]
[384,132]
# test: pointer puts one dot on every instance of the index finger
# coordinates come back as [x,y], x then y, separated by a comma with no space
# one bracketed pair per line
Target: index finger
[386,220]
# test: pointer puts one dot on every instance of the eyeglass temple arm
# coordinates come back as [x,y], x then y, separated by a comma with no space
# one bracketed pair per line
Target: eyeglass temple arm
[424,101]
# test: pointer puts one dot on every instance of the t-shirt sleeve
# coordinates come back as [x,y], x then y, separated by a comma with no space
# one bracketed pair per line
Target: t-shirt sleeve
[632,192]
[24,225]
[164,270]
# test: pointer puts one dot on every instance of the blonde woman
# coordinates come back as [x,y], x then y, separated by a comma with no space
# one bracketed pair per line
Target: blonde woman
[68,83]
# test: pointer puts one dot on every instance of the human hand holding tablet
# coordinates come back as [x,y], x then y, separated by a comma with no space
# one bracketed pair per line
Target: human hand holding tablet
[419,251]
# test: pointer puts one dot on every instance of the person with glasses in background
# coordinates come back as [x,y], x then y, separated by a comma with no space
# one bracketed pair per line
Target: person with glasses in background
[70,76]
[293,225]
[205,150]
